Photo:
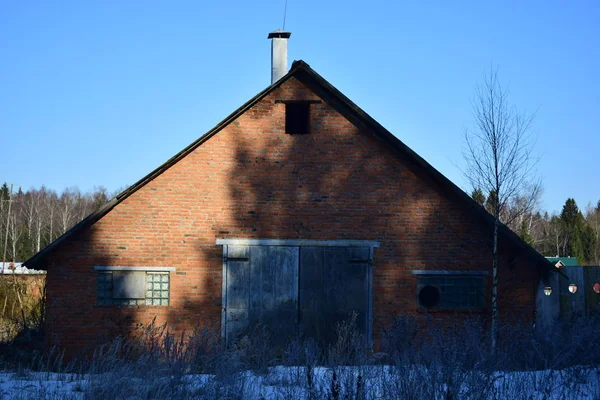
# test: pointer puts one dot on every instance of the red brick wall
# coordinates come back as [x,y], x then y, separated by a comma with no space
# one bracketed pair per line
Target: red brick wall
[251,180]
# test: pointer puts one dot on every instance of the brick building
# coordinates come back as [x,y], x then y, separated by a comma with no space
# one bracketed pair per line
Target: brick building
[294,211]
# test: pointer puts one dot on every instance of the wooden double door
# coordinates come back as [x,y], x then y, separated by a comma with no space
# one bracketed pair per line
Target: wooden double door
[293,291]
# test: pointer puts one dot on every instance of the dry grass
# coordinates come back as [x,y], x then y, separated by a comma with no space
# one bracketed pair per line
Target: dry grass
[441,363]
[21,304]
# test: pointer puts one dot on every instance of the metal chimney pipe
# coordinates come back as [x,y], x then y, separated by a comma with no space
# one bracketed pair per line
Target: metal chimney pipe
[279,39]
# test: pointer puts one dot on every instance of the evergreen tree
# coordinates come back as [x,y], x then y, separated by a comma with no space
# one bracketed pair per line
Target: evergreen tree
[573,225]
[524,233]
[576,243]
[596,228]
[5,194]
[569,213]
[4,199]
[478,196]
[492,201]
[588,242]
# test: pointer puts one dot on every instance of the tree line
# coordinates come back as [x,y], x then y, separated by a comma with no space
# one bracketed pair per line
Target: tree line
[30,220]
[570,233]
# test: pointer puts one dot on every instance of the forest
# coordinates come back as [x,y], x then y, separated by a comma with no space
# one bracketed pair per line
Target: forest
[572,233]
[29,220]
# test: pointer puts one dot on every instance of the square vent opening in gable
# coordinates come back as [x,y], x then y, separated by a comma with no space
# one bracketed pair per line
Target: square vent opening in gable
[297,115]
[297,118]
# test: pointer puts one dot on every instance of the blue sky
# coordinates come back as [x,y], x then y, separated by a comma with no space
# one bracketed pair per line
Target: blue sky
[101,93]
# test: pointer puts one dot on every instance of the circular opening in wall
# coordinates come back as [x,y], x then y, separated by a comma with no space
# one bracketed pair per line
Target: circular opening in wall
[429,296]
[596,287]
[572,288]
[548,290]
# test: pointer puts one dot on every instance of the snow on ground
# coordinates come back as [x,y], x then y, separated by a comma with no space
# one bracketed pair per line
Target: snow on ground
[40,385]
[288,383]
[17,268]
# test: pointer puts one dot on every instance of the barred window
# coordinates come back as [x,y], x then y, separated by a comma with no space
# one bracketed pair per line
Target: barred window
[121,288]
[450,291]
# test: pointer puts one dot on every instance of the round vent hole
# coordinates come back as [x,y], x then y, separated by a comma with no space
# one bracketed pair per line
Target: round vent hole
[429,296]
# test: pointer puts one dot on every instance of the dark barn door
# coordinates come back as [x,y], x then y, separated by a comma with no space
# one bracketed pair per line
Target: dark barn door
[333,285]
[291,290]
[262,290]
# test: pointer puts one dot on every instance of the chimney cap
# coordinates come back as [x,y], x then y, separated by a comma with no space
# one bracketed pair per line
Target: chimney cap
[279,34]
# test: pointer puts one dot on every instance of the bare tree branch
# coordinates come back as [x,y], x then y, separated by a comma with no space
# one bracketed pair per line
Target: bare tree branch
[498,152]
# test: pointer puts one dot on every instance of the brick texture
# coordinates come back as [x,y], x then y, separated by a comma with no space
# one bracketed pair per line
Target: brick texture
[252,180]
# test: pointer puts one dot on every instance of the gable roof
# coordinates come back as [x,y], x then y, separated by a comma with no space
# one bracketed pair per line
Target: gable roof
[304,73]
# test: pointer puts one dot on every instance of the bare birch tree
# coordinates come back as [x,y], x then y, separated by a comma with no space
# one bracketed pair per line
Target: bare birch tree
[498,154]
[32,219]
[67,210]
[29,211]
[15,222]
[51,206]
[3,225]
[39,199]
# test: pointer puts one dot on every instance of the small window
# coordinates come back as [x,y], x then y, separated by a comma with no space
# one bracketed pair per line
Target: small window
[133,288]
[450,291]
[297,118]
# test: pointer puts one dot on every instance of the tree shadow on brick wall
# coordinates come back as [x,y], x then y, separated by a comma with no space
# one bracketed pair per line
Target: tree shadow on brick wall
[77,321]
[74,322]
[341,182]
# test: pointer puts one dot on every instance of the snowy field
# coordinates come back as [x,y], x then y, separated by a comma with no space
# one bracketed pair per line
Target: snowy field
[298,383]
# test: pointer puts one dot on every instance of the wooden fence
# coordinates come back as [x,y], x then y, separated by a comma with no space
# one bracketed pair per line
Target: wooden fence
[563,297]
